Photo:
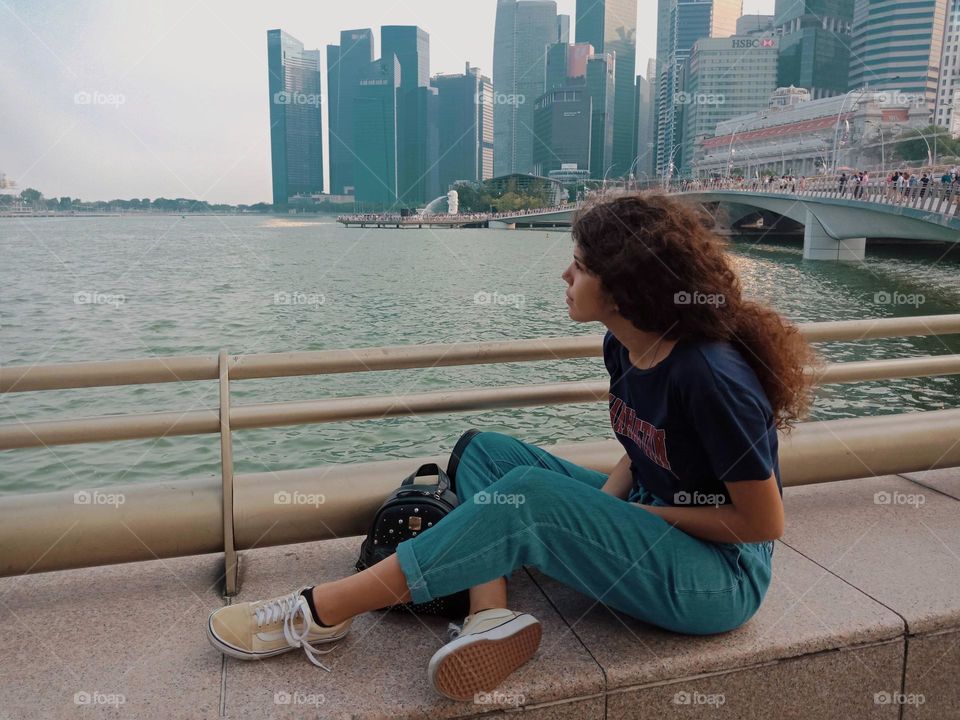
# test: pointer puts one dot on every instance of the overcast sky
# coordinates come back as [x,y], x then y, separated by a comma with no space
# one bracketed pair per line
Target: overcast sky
[102,99]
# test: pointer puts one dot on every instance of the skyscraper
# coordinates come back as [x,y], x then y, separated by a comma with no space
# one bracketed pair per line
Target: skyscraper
[897,46]
[947,112]
[601,84]
[375,129]
[556,71]
[296,140]
[646,97]
[417,172]
[562,129]
[465,120]
[524,29]
[814,45]
[611,27]
[725,78]
[689,21]
[345,63]
[411,45]
[662,72]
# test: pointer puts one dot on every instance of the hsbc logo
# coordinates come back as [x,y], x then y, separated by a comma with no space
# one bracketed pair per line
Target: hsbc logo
[745,43]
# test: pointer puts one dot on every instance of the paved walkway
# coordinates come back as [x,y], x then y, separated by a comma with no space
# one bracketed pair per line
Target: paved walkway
[862,621]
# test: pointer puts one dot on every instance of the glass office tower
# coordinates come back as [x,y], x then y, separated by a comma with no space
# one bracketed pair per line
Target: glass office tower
[947,111]
[601,86]
[725,78]
[611,27]
[345,63]
[689,21]
[417,132]
[465,119]
[561,129]
[815,38]
[375,130]
[522,33]
[898,46]
[296,139]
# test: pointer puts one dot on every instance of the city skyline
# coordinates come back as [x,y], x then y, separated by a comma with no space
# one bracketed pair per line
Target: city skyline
[86,88]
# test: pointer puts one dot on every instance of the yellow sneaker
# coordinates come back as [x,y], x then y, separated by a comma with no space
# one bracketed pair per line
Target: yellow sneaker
[490,645]
[257,630]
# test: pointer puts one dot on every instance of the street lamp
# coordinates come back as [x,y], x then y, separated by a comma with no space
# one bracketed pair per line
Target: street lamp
[605,177]
[670,164]
[883,157]
[732,138]
[929,151]
[836,127]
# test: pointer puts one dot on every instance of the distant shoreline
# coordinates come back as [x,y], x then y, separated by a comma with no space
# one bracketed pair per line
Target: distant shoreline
[9,215]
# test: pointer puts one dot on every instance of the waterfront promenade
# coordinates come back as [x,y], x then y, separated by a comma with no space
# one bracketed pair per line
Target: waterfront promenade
[862,619]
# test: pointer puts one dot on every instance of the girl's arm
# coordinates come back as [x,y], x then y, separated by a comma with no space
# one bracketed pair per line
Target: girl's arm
[620,480]
[754,515]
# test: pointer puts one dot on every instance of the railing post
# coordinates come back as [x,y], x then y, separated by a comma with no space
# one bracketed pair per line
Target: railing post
[230,558]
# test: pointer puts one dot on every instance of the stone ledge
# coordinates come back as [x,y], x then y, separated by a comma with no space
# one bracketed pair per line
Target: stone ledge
[895,540]
[848,576]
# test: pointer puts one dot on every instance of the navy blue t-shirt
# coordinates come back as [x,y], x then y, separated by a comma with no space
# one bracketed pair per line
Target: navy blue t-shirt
[695,420]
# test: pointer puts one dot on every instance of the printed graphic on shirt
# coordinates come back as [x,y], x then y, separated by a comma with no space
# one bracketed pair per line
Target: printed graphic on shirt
[650,439]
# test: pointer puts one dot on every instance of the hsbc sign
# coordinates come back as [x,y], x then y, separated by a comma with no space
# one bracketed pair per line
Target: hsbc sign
[749,43]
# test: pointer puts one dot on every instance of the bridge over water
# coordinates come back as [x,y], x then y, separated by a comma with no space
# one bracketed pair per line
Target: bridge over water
[837,222]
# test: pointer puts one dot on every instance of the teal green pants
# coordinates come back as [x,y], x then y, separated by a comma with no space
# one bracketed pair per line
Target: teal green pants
[520,505]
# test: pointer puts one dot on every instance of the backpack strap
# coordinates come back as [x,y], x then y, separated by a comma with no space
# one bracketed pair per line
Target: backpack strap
[457,452]
[443,482]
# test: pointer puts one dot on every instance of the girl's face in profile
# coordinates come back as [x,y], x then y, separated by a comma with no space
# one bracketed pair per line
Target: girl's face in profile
[587,301]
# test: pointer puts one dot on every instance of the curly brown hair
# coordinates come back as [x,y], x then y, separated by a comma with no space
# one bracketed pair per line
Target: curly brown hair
[654,254]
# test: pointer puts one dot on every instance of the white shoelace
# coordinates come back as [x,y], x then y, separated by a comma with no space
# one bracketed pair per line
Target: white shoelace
[454,630]
[288,608]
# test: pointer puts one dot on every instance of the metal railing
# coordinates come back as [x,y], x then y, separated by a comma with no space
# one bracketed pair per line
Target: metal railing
[50,531]
[934,198]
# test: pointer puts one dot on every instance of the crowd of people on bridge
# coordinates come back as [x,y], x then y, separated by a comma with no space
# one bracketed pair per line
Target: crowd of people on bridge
[898,185]
[443,217]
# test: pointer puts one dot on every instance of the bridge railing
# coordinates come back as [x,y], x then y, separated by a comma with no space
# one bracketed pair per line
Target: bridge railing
[445,218]
[58,530]
[935,197]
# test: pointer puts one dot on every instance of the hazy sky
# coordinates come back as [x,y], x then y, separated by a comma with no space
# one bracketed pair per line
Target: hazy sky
[114,98]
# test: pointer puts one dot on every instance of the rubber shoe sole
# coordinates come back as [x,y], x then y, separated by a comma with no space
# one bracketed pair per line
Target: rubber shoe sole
[483,661]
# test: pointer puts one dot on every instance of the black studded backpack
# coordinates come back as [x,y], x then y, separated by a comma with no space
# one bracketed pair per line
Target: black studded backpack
[414,508]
